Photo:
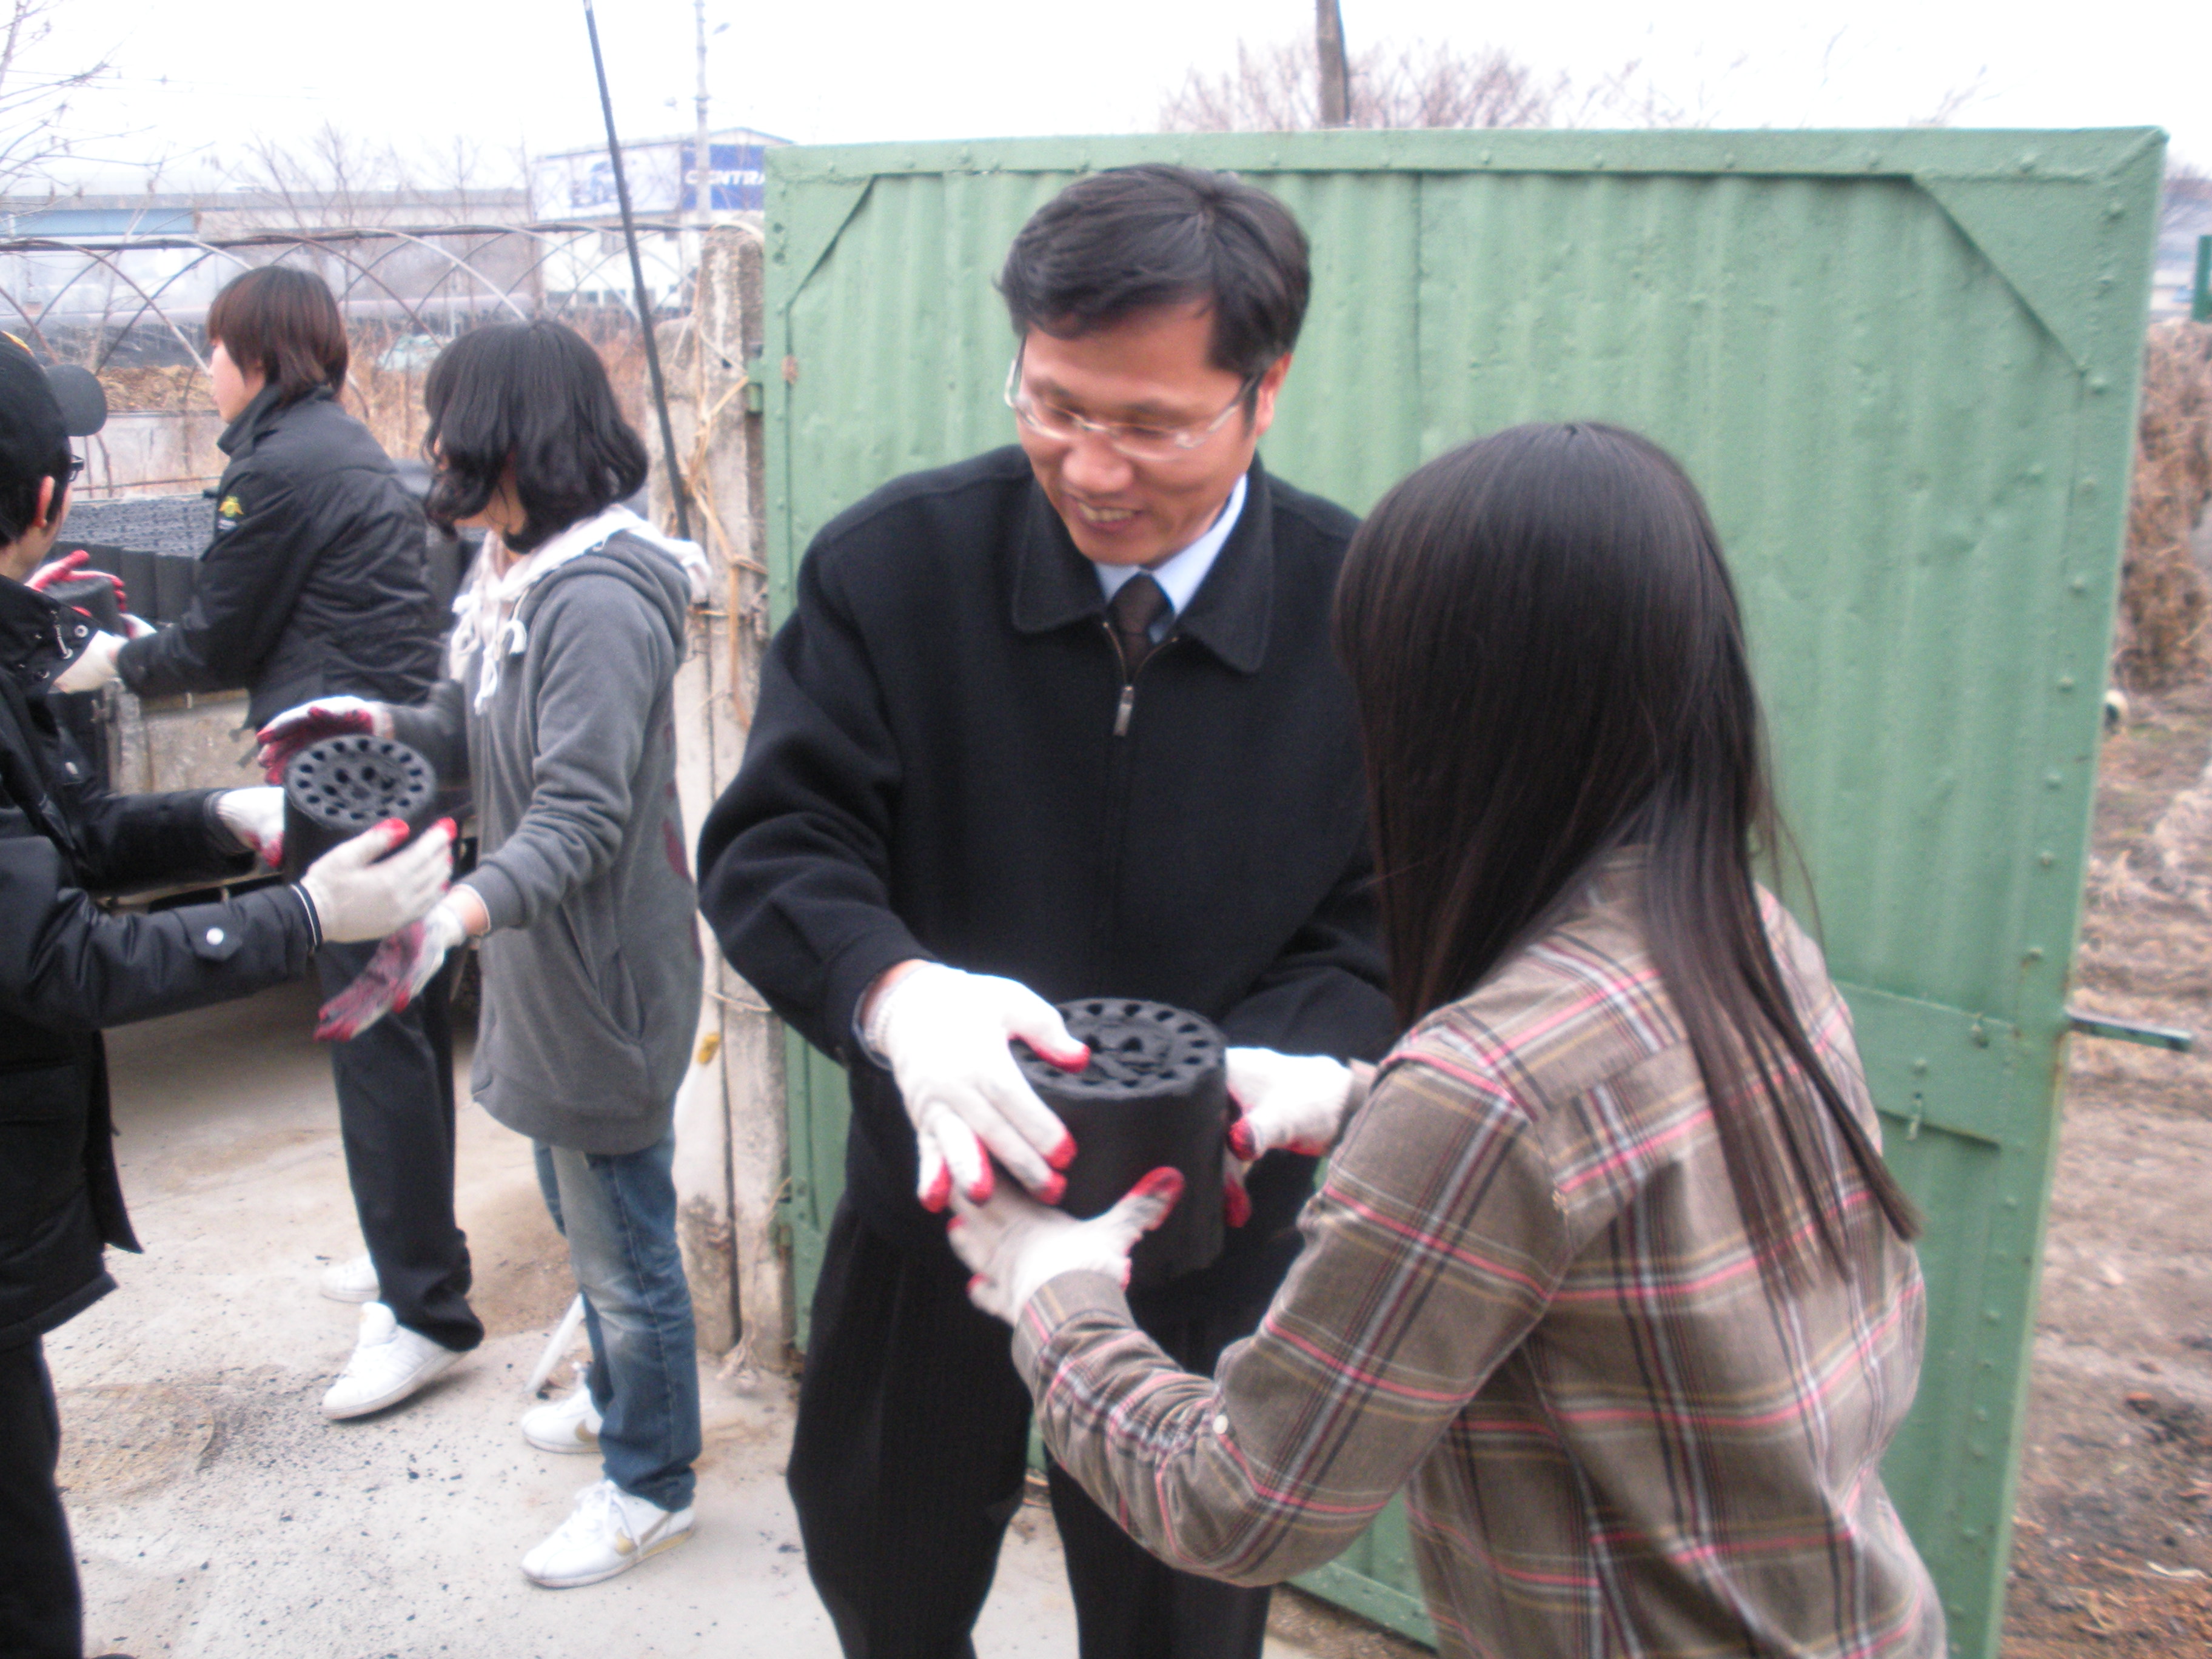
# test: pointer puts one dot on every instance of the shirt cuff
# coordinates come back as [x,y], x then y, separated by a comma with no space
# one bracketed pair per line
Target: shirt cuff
[314,916]
[1056,1303]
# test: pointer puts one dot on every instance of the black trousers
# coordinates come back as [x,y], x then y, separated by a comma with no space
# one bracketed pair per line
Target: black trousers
[40,1614]
[395,1087]
[908,1463]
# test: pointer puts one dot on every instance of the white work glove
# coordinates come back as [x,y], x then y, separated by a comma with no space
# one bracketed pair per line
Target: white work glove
[256,816]
[359,894]
[402,965]
[311,722]
[1296,1100]
[94,667]
[1016,1246]
[943,1034]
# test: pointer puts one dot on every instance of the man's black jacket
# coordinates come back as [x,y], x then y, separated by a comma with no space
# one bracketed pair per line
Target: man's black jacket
[935,771]
[315,583]
[68,968]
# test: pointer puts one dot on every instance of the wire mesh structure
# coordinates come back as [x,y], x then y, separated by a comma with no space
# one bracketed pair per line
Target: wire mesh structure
[133,309]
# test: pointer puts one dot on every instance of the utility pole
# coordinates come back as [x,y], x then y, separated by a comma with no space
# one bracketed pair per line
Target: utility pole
[703,177]
[1335,75]
[678,490]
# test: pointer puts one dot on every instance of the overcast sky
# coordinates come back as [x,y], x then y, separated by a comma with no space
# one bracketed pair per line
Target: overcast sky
[196,81]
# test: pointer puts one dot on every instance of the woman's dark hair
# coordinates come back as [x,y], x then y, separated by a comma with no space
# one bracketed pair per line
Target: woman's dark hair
[281,322]
[1116,243]
[534,397]
[1550,666]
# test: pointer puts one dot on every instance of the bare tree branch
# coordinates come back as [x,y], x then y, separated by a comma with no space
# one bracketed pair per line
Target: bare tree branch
[1953,100]
[36,100]
[1277,88]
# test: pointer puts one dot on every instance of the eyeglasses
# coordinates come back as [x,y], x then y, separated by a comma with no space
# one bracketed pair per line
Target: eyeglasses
[1134,441]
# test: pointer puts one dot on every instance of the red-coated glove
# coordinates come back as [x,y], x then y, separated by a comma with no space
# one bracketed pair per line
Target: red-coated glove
[1299,1101]
[70,568]
[311,722]
[945,1035]
[404,963]
[256,816]
[1016,1246]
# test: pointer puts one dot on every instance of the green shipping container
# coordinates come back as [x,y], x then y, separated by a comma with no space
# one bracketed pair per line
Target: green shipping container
[1903,368]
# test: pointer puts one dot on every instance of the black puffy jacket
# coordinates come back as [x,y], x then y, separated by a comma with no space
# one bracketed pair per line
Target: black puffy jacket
[314,583]
[68,968]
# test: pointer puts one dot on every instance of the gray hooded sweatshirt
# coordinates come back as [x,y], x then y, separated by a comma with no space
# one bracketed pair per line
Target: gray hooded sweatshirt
[591,971]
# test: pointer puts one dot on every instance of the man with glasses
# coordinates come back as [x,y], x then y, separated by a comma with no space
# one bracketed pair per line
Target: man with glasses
[1058,721]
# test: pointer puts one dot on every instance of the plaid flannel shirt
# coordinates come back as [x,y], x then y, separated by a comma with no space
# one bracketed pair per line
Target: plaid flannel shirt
[1527,1298]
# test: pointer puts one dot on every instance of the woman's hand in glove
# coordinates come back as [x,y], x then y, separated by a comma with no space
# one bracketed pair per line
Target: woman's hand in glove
[93,666]
[311,722]
[1299,1101]
[256,816]
[943,1034]
[1016,1246]
[359,894]
[396,975]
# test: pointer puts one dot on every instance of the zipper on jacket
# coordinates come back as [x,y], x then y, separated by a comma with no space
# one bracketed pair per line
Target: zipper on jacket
[1114,821]
[1127,703]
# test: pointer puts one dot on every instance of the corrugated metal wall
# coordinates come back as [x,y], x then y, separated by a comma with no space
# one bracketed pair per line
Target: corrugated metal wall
[1902,367]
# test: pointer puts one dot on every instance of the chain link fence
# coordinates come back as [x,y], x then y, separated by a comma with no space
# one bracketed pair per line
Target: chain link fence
[133,309]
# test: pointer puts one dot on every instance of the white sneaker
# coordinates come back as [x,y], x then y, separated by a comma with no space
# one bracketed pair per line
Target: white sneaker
[350,1281]
[608,1531]
[570,1424]
[389,1363]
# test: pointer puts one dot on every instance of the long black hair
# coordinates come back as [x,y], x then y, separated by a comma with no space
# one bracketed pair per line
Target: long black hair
[1550,666]
[534,397]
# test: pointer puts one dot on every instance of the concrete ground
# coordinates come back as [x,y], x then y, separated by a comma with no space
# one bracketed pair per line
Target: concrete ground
[217,1514]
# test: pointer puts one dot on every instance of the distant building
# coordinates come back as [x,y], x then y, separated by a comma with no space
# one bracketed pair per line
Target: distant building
[2186,216]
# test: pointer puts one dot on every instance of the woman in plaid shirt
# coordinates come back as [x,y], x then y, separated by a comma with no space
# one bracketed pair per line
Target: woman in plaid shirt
[1606,1273]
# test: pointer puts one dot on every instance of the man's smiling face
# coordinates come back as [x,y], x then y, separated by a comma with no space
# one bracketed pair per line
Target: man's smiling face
[1150,370]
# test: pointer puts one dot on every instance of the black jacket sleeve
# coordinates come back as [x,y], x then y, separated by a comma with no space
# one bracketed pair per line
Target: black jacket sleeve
[1325,993]
[136,841]
[249,579]
[794,861]
[66,964]
[437,728]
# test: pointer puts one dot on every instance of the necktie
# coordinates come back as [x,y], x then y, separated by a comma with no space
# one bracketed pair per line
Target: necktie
[1136,605]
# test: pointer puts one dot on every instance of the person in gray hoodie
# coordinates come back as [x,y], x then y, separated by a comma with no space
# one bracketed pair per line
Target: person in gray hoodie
[560,712]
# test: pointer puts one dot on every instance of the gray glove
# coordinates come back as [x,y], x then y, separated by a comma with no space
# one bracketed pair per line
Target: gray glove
[360,894]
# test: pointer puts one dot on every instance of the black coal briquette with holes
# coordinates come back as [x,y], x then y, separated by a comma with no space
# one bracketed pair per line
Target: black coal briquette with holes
[336,789]
[1154,1094]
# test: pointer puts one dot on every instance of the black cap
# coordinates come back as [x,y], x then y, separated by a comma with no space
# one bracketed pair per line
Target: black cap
[41,409]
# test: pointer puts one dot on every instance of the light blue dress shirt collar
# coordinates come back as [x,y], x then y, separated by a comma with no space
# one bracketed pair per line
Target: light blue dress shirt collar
[1180,574]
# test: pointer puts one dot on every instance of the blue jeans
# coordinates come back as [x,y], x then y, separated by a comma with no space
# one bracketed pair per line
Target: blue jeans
[618,1215]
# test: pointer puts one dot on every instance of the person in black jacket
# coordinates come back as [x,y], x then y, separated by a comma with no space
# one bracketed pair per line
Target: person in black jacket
[314,584]
[68,968]
[1059,721]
